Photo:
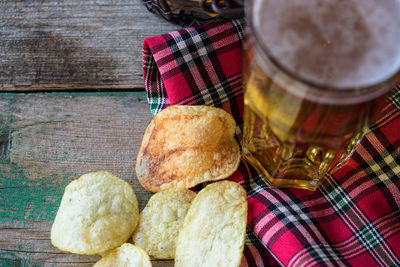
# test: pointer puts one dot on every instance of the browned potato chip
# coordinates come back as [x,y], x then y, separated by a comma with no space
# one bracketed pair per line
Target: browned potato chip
[213,232]
[187,145]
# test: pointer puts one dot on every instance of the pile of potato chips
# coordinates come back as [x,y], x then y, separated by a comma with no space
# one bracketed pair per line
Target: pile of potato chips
[182,147]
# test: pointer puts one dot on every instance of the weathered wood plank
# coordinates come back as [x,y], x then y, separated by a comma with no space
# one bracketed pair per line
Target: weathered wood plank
[74,44]
[54,139]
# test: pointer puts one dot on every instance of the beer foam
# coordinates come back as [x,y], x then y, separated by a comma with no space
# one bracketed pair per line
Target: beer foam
[336,43]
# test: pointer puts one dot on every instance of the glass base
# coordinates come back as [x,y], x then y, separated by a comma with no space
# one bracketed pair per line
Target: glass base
[284,161]
[293,177]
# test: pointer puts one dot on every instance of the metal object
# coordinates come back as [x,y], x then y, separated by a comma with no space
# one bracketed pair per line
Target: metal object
[193,12]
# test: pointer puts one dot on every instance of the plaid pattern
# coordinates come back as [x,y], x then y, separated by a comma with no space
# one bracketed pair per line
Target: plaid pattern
[353,219]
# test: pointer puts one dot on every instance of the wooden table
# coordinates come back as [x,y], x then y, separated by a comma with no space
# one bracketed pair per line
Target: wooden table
[71,102]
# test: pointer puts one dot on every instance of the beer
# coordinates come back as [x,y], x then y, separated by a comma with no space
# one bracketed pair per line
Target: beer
[315,74]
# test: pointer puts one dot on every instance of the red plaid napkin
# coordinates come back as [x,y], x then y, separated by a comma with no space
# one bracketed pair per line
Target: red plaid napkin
[352,219]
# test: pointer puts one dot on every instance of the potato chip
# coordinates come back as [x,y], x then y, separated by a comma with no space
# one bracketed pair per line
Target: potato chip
[187,145]
[214,229]
[98,212]
[161,220]
[126,255]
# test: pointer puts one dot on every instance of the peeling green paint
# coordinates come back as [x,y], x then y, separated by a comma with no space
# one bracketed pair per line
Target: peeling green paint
[5,122]
[9,259]
[23,200]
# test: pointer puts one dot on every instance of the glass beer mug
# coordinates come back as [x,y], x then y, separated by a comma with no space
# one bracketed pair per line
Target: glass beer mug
[316,72]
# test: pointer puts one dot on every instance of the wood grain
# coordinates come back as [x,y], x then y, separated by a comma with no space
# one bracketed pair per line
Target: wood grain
[55,138]
[74,44]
